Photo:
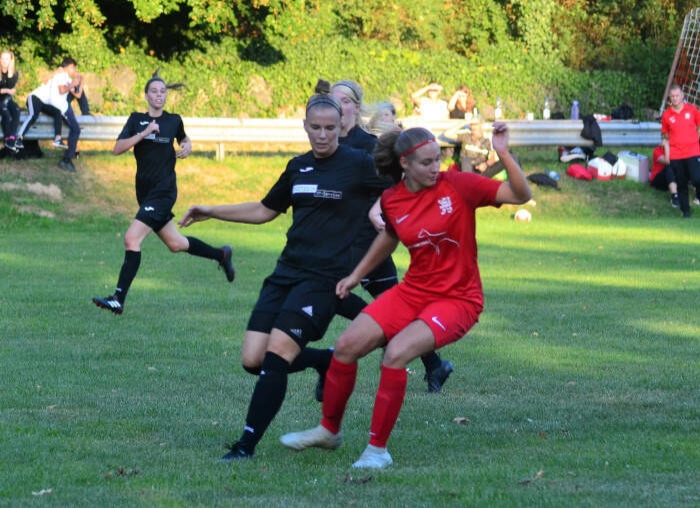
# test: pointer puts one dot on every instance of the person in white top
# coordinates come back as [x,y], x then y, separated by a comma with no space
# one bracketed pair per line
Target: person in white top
[430,107]
[51,98]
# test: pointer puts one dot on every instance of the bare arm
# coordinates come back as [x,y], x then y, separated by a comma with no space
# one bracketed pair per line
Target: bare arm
[516,190]
[185,148]
[382,247]
[79,92]
[375,216]
[253,212]
[123,145]
[418,95]
[662,159]
[453,101]
[667,146]
[68,87]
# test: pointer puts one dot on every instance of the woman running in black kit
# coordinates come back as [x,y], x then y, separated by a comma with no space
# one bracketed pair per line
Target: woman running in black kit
[327,189]
[152,135]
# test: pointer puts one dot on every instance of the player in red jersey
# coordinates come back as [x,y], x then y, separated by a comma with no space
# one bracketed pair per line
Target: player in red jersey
[680,128]
[440,298]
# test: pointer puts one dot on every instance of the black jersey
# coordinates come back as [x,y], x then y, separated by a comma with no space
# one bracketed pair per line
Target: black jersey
[360,139]
[8,82]
[329,199]
[363,140]
[155,155]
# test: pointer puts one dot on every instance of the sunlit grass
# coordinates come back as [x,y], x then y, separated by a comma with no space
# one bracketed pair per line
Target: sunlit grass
[578,385]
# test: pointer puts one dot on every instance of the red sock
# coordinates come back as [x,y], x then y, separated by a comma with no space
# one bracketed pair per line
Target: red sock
[387,404]
[340,382]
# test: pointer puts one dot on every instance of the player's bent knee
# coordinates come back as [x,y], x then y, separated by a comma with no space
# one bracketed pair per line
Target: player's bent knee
[176,246]
[252,370]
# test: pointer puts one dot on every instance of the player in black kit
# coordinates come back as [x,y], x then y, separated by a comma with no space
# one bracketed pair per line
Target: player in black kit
[152,135]
[327,189]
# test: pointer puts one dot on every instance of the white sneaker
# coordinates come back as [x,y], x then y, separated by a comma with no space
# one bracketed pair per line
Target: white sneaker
[573,154]
[374,458]
[318,437]
[58,143]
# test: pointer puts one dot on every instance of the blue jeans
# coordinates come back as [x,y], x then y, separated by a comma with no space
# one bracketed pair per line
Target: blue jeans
[82,102]
[73,133]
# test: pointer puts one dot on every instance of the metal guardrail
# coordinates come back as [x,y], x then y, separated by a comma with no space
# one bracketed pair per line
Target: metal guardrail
[227,131]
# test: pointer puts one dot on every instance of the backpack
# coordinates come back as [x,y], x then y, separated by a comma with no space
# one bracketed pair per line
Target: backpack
[622,112]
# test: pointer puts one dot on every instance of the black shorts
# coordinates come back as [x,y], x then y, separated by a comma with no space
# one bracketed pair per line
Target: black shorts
[301,308]
[155,214]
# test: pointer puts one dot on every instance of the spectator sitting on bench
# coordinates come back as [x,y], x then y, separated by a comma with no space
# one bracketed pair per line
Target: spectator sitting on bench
[51,98]
[475,153]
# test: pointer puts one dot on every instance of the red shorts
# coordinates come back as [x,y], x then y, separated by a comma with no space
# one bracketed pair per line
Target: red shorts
[448,318]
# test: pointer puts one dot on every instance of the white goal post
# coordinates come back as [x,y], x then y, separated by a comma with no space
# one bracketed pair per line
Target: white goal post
[685,70]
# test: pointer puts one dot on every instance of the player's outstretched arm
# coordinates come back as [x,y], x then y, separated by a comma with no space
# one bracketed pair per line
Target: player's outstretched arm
[246,213]
[382,247]
[516,190]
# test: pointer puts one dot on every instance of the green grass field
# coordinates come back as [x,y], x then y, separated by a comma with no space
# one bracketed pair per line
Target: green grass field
[579,386]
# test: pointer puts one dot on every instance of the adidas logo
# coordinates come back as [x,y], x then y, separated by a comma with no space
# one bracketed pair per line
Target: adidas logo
[296,331]
[309,309]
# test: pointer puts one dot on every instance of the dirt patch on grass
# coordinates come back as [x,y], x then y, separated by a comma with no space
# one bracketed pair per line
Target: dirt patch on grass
[50,192]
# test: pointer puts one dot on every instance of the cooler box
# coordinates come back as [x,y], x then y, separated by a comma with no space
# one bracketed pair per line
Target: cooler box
[637,166]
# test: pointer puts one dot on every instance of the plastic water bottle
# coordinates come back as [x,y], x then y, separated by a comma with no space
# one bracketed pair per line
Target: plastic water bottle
[546,113]
[476,112]
[498,112]
[553,175]
[574,111]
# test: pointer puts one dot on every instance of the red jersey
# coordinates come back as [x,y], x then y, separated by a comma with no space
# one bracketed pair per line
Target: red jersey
[438,227]
[682,130]
[656,166]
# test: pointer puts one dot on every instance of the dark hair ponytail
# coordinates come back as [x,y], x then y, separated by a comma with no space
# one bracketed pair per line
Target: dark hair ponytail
[322,87]
[169,86]
[393,145]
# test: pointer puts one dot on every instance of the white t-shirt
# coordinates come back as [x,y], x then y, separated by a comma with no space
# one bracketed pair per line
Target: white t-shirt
[48,93]
[434,110]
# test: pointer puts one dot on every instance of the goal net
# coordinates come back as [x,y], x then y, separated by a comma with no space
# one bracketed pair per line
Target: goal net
[685,70]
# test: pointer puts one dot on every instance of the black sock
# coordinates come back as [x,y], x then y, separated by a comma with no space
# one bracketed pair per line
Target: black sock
[319,359]
[266,401]
[127,274]
[431,361]
[204,250]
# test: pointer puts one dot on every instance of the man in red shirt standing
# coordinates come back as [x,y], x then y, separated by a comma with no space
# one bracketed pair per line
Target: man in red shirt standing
[680,130]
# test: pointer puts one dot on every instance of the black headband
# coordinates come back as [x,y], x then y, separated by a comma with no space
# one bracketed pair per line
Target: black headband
[324,100]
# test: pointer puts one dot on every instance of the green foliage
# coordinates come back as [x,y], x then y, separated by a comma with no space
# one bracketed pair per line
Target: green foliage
[412,24]
[472,26]
[262,58]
